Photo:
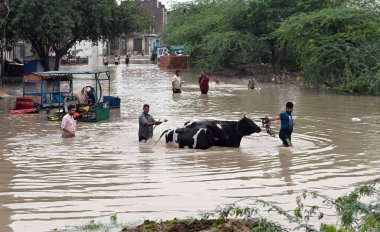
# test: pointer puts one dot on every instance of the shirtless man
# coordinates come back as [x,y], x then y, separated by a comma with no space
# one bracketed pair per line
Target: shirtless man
[252,83]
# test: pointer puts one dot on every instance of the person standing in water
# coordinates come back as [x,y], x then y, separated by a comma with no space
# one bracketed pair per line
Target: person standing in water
[146,122]
[287,124]
[105,60]
[203,83]
[252,83]
[116,60]
[127,59]
[176,82]
[68,123]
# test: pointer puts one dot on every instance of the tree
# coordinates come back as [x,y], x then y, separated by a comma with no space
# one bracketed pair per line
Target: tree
[208,29]
[226,33]
[338,46]
[59,24]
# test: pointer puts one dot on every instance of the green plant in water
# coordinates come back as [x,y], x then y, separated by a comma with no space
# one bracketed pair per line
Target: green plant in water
[114,218]
[99,226]
[92,225]
[354,214]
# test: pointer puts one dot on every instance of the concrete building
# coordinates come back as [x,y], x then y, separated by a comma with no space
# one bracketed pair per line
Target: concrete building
[143,42]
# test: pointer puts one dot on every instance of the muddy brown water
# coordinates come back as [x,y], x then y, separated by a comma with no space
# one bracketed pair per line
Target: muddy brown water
[47,182]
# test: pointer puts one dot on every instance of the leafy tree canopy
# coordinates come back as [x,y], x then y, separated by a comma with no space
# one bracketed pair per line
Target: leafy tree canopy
[339,46]
[59,24]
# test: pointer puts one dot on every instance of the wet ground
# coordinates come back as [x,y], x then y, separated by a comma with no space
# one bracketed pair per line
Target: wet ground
[47,182]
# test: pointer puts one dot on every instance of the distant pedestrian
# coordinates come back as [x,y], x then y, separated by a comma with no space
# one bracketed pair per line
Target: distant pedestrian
[127,59]
[217,80]
[146,122]
[285,75]
[203,83]
[105,60]
[116,60]
[177,82]
[252,83]
[68,124]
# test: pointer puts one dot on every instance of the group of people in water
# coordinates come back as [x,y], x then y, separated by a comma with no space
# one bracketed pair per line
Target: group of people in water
[147,121]
[203,82]
[116,60]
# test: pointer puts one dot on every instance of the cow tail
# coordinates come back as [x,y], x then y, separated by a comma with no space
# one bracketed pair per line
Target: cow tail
[165,131]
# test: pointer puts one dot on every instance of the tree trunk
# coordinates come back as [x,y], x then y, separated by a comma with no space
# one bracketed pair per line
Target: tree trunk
[43,53]
[273,54]
[57,61]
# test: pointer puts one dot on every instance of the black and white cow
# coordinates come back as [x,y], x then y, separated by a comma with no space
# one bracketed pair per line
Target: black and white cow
[231,132]
[199,138]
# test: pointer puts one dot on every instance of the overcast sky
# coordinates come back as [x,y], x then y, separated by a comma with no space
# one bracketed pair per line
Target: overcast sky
[168,3]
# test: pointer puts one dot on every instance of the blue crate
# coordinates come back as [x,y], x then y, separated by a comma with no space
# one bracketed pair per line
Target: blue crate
[114,102]
[58,97]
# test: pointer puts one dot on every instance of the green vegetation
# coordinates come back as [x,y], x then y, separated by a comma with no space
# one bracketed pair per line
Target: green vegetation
[59,24]
[98,226]
[331,42]
[356,211]
[337,46]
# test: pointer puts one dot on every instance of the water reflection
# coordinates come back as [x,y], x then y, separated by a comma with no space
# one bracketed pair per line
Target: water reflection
[6,197]
[285,158]
[204,102]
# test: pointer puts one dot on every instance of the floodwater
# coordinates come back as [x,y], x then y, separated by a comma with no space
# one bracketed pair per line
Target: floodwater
[47,182]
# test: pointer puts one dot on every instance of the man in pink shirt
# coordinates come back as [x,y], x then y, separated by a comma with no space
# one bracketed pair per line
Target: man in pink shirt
[68,123]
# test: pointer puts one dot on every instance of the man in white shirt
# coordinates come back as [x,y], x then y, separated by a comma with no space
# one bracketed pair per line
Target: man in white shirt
[176,82]
[68,123]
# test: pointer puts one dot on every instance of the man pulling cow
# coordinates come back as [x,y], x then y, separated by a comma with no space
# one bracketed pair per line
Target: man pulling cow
[146,122]
[287,124]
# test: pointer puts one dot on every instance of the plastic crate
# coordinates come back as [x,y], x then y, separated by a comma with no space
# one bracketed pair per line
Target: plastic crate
[99,113]
[114,102]
[58,97]
[24,103]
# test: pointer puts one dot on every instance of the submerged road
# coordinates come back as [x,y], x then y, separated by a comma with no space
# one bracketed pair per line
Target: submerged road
[47,182]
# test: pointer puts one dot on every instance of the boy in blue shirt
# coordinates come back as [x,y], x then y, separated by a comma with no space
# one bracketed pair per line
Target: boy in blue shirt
[287,124]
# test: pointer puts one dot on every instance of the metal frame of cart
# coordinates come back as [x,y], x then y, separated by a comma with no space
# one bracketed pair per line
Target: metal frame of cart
[98,111]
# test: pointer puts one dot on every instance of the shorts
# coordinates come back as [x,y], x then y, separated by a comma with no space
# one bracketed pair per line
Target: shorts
[204,91]
[67,135]
[177,91]
[286,138]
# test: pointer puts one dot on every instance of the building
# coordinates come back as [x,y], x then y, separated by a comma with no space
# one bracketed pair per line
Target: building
[142,43]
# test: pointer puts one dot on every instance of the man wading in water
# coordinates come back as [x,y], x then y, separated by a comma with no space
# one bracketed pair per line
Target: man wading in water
[146,122]
[68,123]
[203,83]
[177,82]
[252,83]
[287,124]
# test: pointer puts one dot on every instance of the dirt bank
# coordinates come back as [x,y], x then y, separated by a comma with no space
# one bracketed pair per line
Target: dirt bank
[231,225]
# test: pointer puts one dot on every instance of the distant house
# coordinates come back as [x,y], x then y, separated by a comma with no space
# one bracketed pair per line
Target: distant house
[143,42]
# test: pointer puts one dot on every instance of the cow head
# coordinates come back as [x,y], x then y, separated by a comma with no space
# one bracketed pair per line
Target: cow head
[246,126]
